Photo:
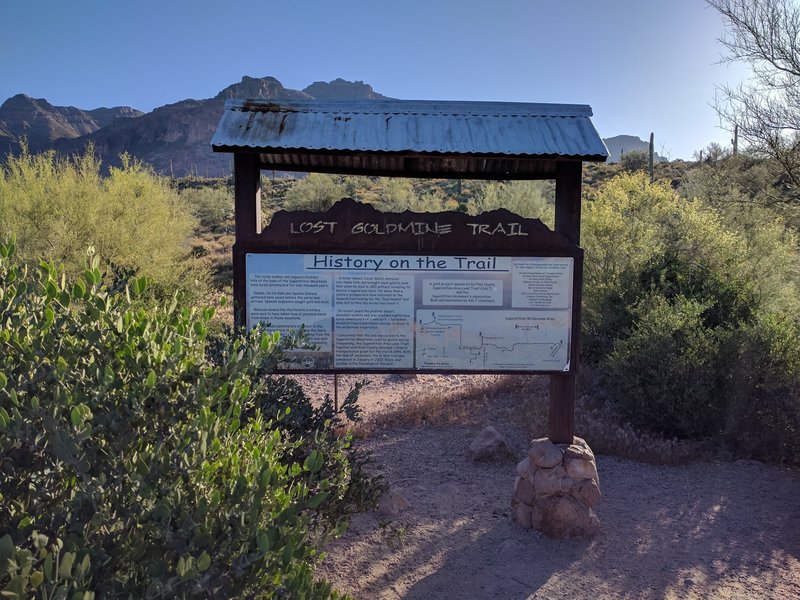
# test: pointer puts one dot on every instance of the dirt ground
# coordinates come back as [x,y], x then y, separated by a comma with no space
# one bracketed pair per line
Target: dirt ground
[702,530]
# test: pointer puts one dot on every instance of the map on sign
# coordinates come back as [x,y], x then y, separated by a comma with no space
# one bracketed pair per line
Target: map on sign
[503,341]
[415,313]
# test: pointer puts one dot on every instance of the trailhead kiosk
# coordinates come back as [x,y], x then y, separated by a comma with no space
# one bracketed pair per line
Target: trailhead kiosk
[408,292]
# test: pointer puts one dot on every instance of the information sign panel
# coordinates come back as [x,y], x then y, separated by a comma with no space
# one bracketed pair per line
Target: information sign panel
[437,313]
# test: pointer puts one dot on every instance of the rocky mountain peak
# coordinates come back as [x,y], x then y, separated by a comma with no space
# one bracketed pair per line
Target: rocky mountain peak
[20,101]
[260,87]
[341,89]
[41,123]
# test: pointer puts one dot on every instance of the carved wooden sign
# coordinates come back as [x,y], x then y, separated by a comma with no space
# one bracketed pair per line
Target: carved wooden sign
[413,292]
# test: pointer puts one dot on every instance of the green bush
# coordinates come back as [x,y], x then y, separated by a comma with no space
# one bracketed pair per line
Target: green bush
[665,375]
[692,316]
[57,206]
[741,386]
[763,419]
[134,461]
[634,160]
[316,192]
[643,239]
[394,194]
[531,199]
[282,393]
[212,206]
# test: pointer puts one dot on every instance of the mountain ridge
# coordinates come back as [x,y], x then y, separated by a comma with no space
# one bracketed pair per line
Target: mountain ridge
[174,138]
[42,123]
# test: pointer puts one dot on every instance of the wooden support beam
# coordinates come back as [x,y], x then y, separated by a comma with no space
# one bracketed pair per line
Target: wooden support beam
[247,219]
[247,194]
[568,223]
[569,175]
[561,418]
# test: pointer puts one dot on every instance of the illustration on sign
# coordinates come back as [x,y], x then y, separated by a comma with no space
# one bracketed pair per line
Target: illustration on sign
[436,313]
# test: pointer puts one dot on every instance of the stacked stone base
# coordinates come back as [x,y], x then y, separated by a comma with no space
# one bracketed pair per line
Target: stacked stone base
[556,488]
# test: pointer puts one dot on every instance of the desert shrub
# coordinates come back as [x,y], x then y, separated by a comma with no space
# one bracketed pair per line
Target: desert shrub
[635,160]
[316,191]
[57,206]
[728,300]
[680,307]
[281,393]
[127,466]
[394,194]
[643,239]
[212,206]
[283,398]
[397,194]
[388,194]
[665,374]
[432,201]
[749,192]
[360,187]
[532,199]
[763,418]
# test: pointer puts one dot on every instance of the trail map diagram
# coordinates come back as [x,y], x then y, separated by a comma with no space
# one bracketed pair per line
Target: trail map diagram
[485,340]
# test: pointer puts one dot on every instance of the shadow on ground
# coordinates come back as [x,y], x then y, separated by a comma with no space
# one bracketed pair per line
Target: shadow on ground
[700,530]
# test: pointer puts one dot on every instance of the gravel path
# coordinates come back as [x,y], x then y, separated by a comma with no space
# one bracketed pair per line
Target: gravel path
[704,530]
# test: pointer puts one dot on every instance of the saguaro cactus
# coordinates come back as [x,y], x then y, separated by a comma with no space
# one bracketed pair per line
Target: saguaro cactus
[650,159]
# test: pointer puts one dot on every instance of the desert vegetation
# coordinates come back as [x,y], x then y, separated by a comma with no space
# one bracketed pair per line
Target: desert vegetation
[144,456]
[685,306]
[146,451]
[56,207]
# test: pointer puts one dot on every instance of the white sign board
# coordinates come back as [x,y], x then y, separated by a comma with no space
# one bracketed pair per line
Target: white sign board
[415,313]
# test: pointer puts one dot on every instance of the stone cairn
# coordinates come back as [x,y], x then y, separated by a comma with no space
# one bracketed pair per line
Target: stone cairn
[556,488]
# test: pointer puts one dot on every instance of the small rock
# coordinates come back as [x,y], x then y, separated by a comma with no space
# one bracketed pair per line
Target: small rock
[392,502]
[577,441]
[588,492]
[525,491]
[547,482]
[524,468]
[582,469]
[510,548]
[563,516]
[575,451]
[489,445]
[544,453]
[522,514]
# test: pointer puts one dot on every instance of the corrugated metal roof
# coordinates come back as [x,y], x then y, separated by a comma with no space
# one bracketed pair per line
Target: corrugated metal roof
[409,127]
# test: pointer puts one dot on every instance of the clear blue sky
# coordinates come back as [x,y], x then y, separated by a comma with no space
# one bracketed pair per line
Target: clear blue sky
[643,65]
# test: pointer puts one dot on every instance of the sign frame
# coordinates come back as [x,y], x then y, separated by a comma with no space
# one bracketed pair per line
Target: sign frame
[358,229]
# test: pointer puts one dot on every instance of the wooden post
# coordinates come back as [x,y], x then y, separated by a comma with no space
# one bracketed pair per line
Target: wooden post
[568,223]
[247,182]
[336,392]
[247,218]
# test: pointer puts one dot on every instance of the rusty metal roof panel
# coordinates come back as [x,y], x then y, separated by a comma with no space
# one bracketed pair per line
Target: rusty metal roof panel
[410,127]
